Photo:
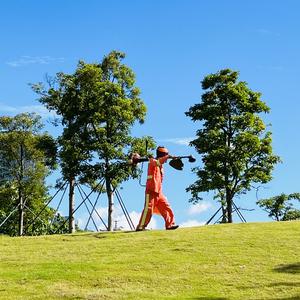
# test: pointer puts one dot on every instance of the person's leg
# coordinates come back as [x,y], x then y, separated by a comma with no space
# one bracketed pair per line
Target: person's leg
[166,211]
[147,212]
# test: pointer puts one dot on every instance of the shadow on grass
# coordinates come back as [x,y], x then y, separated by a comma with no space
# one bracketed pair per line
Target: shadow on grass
[297,297]
[209,298]
[288,268]
[98,235]
[285,284]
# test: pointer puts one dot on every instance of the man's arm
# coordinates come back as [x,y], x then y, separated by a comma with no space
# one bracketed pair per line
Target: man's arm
[135,159]
[141,159]
[163,159]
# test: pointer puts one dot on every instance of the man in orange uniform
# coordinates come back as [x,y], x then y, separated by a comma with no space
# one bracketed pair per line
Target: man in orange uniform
[155,201]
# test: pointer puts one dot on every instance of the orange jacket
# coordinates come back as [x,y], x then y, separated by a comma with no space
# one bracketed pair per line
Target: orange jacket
[155,174]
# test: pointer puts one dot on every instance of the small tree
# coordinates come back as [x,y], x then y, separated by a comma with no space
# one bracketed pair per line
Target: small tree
[235,147]
[280,208]
[26,158]
[98,105]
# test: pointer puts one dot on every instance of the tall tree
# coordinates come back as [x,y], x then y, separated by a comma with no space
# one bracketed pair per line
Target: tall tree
[26,158]
[98,106]
[235,146]
[281,208]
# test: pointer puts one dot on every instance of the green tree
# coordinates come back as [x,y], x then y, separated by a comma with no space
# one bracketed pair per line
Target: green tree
[26,158]
[280,208]
[235,146]
[98,106]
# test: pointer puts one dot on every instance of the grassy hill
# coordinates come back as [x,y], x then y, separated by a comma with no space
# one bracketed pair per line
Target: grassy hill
[238,261]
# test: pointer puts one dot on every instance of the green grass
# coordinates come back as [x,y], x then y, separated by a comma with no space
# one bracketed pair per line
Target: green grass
[238,261]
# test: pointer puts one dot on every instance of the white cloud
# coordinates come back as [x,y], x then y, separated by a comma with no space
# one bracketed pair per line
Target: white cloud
[267,32]
[135,217]
[191,223]
[122,222]
[31,60]
[39,109]
[264,31]
[80,222]
[270,68]
[120,218]
[199,208]
[7,108]
[102,211]
[185,141]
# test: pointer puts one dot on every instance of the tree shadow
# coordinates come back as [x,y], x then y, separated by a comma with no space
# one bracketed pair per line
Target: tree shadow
[285,284]
[297,297]
[288,268]
[97,235]
[209,298]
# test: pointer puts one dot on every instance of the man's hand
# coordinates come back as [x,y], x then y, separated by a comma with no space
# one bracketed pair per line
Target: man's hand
[172,157]
[134,160]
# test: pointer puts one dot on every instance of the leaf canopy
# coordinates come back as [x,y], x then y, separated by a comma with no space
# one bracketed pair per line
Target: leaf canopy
[26,157]
[98,105]
[235,146]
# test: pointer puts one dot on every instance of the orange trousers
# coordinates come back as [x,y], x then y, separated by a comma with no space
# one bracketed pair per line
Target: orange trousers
[156,203]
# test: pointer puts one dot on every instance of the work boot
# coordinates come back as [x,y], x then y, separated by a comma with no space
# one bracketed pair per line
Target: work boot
[172,227]
[141,229]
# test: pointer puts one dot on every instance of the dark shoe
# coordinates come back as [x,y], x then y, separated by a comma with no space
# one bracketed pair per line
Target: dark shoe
[141,229]
[172,227]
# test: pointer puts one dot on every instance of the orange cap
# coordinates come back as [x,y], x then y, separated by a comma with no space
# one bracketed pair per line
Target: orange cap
[161,151]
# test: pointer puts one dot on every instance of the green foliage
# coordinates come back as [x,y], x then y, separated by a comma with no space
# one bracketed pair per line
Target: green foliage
[26,158]
[281,208]
[98,106]
[240,261]
[292,214]
[235,147]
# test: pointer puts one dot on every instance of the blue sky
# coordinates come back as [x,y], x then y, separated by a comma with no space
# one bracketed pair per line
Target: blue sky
[171,46]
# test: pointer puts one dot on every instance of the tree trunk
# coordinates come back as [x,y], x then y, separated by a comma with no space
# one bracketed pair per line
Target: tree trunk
[229,206]
[21,214]
[20,189]
[71,205]
[110,204]
[224,214]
